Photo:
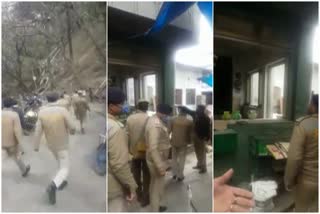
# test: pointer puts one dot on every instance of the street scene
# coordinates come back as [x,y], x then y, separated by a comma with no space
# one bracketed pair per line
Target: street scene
[53,107]
[160,88]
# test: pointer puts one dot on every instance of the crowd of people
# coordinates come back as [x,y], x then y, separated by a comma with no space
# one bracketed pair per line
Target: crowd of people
[138,152]
[54,120]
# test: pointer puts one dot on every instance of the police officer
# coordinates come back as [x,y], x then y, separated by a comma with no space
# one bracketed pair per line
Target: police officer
[302,165]
[121,184]
[181,129]
[158,145]
[135,126]
[81,107]
[12,135]
[56,123]
[65,101]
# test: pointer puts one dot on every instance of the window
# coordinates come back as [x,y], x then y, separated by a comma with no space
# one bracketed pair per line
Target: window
[178,97]
[130,92]
[191,96]
[314,84]
[149,89]
[275,87]
[254,89]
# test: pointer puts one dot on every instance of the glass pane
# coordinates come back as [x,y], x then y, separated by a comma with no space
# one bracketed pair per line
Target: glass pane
[314,84]
[191,96]
[149,89]
[254,89]
[178,97]
[276,91]
[130,92]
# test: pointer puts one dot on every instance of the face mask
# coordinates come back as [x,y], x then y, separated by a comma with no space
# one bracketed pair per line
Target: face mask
[165,119]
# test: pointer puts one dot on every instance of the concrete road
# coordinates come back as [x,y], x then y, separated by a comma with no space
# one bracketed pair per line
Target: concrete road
[176,196]
[86,191]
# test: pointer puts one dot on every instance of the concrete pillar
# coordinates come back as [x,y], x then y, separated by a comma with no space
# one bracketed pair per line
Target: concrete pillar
[168,72]
[303,72]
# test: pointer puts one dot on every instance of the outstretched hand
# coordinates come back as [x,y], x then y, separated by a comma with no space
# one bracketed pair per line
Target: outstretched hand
[230,199]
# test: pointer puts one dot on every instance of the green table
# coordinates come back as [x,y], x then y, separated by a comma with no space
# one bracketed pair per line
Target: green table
[225,142]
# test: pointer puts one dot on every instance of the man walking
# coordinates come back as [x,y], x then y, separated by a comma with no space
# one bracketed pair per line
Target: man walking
[181,129]
[158,146]
[12,135]
[136,124]
[56,123]
[121,184]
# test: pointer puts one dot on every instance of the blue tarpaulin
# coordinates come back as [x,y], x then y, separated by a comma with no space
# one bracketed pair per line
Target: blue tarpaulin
[171,10]
[208,79]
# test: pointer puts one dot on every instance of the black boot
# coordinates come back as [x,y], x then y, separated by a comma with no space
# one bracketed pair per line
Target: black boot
[51,191]
[26,172]
[63,185]
[162,209]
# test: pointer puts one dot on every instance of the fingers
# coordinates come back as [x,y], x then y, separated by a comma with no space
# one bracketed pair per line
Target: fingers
[225,177]
[244,202]
[237,208]
[242,193]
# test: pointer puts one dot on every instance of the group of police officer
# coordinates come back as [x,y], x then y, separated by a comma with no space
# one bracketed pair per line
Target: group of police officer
[138,152]
[55,121]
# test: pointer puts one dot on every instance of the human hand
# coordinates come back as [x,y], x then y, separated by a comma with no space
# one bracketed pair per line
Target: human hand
[230,199]
[130,197]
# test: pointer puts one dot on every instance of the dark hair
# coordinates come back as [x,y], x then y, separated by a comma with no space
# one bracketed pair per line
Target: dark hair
[9,102]
[115,96]
[183,109]
[315,101]
[52,97]
[143,106]
[164,109]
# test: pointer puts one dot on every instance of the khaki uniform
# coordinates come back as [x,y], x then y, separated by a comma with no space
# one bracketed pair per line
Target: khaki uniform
[120,178]
[56,123]
[80,107]
[135,127]
[158,145]
[64,103]
[302,164]
[12,137]
[181,129]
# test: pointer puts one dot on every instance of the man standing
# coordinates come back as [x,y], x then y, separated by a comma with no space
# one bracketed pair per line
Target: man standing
[181,129]
[158,145]
[135,126]
[121,184]
[56,123]
[12,135]
[302,164]
[81,107]
[202,134]
[65,101]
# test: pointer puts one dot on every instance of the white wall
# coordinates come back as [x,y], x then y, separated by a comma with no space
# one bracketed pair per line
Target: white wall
[186,77]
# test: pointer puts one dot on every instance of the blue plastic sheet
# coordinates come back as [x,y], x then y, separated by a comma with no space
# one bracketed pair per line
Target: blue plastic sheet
[206,10]
[208,79]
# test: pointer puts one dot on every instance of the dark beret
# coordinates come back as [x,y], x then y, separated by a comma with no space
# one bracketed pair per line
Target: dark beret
[115,95]
[164,109]
[8,102]
[52,96]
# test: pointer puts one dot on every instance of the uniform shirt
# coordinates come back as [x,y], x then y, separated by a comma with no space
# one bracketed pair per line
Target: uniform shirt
[81,107]
[120,178]
[181,129]
[11,128]
[135,127]
[158,143]
[302,160]
[56,123]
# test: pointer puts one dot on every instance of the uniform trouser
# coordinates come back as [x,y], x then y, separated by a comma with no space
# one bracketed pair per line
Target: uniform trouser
[141,175]
[200,150]
[306,197]
[157,185]
[16,155]
[63,162]
[178,160]
[117,204]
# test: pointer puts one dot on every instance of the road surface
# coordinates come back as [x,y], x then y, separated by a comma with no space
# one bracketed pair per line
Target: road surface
[86,191]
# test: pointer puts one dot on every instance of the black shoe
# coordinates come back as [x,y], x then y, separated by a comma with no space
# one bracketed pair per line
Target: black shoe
[25,174]
[202,171]
[196,167]
[174,177]
[144,203]
[162,209]
[63,185]
[51,190]
[180,179]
